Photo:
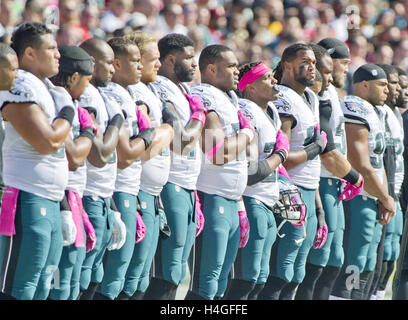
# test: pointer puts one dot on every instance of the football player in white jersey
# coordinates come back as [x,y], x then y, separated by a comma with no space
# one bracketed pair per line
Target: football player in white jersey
[251,268]
[134,140]
[101,165]
[332,256]
[186,114]
[37,122]
[223,176]
[334,168]
[8,76]
[299,112]
[365,147]
[388,248]
[155,171]
[75,72]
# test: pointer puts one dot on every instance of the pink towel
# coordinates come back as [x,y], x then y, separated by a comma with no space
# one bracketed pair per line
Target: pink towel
[8,211]
[75,203]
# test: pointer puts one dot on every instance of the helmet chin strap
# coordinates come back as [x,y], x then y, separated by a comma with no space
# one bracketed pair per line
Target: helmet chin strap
[283,235]
[291,208]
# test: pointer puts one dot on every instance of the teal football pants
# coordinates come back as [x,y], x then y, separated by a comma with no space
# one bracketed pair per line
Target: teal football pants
[220,240]
[116,262]
[32,255]
[332,252]
[179,207]
[137,275]
[393,235]
[253,264]
[101,217]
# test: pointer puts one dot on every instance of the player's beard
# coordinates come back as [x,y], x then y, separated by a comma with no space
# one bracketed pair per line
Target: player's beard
[300,78]
[183,73]
[338,83]
[400,102]
[305,82]
[100,83]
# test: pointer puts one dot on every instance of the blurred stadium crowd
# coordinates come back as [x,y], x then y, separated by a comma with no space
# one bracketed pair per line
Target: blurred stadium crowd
[257,30]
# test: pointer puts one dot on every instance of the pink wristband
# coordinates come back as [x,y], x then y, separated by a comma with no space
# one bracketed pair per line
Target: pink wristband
[200,116]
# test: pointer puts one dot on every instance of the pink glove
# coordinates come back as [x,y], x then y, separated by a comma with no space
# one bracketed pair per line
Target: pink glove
[282,171]
[244,122]
[8,211]
[244,228]
[142,121]
[323,134]
[196,104]
[350,191]
[282,143]
[199,214]
[302,215]
[85,120]
[140,228]
[321,234]
[321,237]
[90,232]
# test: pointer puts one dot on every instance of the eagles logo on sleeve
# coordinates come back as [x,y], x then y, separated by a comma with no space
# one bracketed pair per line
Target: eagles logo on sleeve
[113,95]
[203,94]
[206,102]
[356,107]
[85,99]
[245,108]
[282,105]
[22,90]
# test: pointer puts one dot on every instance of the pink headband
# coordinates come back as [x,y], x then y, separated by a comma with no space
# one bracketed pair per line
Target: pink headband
[252,75]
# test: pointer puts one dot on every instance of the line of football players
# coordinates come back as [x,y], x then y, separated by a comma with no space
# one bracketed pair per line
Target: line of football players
[262,183]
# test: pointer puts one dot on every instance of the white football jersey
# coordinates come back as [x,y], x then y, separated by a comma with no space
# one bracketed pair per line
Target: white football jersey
[155,172]
[128,179]
[357,109]
[267,128]
[306,117]
[337,126]
[394,121]
[25,168]
[99,181]
[184,170]
[77,178]
[229,180]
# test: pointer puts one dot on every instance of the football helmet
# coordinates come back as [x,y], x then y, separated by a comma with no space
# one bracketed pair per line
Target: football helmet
[290,205]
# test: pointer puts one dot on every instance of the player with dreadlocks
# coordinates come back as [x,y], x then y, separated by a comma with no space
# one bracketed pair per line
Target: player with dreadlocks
[251,268]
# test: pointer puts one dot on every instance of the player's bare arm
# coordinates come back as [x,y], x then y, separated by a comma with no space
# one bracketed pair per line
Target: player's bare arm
[32,124]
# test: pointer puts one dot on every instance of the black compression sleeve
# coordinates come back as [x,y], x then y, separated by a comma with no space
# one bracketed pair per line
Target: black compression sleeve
[88,132]
[262,172]
[117,121]
[352,176]
[91,110]
[325,111]
[66,113]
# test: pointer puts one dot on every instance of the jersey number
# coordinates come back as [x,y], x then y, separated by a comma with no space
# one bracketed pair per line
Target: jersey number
[235,127]
[377,158]
[340,133]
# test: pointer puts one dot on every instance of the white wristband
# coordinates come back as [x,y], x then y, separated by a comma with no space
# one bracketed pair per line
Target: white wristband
[248,132]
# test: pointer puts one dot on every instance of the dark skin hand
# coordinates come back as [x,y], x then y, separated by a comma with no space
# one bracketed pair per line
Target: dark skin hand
[77,150]
[358,155]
